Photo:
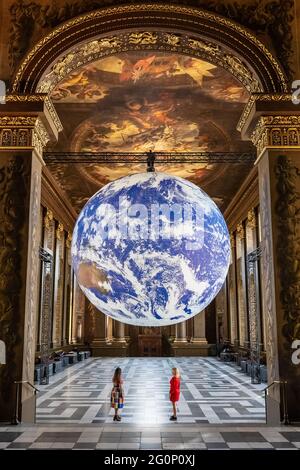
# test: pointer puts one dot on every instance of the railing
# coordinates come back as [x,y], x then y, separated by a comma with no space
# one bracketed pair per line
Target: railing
[283,394]
[19,383]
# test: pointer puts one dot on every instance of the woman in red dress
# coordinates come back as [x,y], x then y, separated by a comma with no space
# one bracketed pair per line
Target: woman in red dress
[174,391]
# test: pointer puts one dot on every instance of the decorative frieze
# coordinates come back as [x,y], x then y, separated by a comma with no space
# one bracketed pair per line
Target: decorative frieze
[276,131]
[26,130]
[23,132]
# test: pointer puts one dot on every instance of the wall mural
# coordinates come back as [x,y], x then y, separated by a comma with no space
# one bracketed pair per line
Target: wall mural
[137,101]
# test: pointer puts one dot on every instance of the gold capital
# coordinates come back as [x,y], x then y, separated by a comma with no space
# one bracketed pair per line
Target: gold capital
[48,218]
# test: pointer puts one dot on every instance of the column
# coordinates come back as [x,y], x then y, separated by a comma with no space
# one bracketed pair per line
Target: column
[231,286]
[58,286]
[109,329]
[273,124]
[100,336]
[199,329]
[253,282]
[27,123]
[221,315]
[67,309]
[241,285]
[181,332]
[78,311]
[119,332]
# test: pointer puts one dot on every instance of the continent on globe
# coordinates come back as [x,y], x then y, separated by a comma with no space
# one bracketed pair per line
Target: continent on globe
[150,249]
[88,275]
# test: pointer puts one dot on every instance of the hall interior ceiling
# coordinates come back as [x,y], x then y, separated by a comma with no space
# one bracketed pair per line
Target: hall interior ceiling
[146,100]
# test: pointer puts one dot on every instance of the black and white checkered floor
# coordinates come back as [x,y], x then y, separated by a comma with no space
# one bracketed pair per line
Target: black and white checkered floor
[211,392]
[215,406]
[176,437]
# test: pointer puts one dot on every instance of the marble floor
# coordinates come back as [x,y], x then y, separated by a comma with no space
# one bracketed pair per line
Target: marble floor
[219,409]
[212,392]
[124,437]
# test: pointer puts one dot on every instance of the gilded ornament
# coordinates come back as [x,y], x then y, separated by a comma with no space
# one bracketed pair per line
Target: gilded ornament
[251,218]
[15,98]
[276,131]
[204,46]
[232,240]
[192,15]
[93,51]
[53,114]
[17,121]
[59,231]
[40,137]
[61,68]
[240,232]
[145,38]
[48,218]
[172,39]
[275,97]
[109,42]
[69,240]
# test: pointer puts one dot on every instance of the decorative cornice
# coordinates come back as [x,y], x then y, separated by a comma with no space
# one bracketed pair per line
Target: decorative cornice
[40,137]
[256,97]
[37,98]
[25,98]
[52,111]
[17,121]
[28,121]
[276,131]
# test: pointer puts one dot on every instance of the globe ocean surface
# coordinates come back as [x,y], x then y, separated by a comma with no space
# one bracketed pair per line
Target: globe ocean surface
[150,249]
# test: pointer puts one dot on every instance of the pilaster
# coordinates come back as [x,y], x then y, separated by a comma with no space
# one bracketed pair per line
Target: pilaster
[272,122]
[27,124]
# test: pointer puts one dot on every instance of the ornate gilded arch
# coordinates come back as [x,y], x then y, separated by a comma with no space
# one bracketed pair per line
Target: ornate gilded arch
[159,27]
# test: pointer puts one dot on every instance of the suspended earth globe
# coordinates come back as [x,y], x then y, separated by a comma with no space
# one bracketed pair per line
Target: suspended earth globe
[150,249]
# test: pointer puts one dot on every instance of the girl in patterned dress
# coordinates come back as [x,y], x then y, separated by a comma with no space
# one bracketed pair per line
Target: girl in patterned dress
[174,391]
[117,393]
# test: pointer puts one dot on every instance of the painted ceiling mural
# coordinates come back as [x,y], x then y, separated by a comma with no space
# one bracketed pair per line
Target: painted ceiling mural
[137,101]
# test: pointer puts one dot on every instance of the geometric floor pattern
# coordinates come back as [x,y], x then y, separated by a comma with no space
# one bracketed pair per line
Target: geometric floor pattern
[175,436]
[216,402]
[212,392]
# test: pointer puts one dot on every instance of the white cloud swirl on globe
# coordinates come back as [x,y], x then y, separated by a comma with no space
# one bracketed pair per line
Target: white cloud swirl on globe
[150,249]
